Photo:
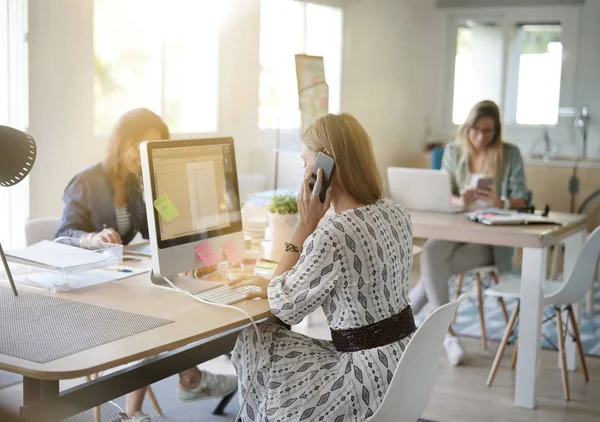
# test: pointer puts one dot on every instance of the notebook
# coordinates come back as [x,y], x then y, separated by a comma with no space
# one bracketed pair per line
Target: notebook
[498,217]
[56,255]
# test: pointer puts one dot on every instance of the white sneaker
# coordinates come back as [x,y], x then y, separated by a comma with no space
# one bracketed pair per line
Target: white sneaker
[454,350]
[137,417]
[211,385]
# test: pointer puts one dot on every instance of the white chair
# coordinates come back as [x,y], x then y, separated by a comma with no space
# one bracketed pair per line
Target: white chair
[412,384]
[38,229]
[561,295]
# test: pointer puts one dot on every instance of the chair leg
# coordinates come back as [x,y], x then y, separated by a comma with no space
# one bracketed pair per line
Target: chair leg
[562,355]
[578,342]
[459,283]
[479,290]
[496,280]
[154,401]
[513,364]
[220,409]
[502,347]
[97,415]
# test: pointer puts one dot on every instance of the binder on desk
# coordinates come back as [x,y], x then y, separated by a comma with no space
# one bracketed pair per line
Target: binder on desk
[498,217]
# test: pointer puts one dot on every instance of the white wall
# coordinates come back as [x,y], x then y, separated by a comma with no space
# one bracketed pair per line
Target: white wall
[383,75]
[61,91]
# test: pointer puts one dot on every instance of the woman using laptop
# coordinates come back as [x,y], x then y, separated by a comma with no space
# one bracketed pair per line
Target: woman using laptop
[478,153]
[104,203]
[355,266]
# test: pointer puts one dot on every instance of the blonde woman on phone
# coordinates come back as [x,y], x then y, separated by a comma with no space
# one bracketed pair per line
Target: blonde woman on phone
[355,266]
[479,152]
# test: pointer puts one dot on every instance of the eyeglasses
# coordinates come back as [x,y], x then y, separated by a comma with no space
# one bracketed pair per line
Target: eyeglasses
[488,133]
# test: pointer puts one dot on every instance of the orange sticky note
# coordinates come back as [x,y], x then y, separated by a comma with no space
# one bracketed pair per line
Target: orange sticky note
[207,254]
[232,252]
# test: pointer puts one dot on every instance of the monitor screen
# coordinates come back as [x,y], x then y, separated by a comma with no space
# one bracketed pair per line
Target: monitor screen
[200,179]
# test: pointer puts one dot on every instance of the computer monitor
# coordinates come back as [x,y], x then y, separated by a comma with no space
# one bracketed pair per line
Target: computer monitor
[199,178]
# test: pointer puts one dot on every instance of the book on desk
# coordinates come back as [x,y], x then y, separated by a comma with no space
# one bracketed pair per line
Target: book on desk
[498,217]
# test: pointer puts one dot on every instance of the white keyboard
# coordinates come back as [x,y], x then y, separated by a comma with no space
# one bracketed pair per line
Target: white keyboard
[226,295]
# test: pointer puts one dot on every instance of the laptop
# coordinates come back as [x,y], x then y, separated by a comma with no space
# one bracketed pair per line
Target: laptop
[422,189]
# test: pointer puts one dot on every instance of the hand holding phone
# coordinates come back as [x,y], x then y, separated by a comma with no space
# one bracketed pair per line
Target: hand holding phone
[327,164]
[485,183]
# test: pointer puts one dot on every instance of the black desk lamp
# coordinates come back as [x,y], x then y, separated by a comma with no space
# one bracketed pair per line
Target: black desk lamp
[17,155]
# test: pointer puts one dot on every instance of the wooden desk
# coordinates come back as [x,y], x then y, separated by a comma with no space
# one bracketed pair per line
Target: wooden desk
[199,333]
[534,240]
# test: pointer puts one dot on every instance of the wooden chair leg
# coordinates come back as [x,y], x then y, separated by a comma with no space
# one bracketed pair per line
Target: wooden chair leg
[502,347]
[459,283]
[97,415]
[561,354]
[154,401]
[513,364]
[479,290]
[575,329]
[496,280]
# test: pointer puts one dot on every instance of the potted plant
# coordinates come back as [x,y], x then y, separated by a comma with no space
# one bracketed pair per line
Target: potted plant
[283,216]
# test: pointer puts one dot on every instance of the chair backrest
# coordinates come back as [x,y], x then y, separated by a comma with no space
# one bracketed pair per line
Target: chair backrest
[580,279]
[413,381]
[436,158]
[38,229]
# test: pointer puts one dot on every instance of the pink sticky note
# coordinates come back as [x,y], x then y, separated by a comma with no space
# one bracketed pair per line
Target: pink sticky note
[207,254]
[232,252]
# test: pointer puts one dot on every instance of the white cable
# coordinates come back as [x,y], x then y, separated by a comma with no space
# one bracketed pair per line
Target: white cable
[258,335]
[117,406]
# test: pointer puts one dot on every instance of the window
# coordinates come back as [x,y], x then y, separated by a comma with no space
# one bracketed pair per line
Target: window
[14,201]
[165,59]
[540,62]
[290,27]
[517,65]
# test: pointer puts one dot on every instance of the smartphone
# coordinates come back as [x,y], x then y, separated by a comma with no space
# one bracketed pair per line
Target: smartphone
[485,183]
[326,163]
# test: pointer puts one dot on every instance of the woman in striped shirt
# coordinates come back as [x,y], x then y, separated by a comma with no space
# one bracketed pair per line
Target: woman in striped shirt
[104,203]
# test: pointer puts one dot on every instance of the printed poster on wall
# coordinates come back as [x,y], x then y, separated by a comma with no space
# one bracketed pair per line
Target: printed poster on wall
[313,92]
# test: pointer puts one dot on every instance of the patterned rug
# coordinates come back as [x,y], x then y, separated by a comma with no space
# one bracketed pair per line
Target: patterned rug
[467,320]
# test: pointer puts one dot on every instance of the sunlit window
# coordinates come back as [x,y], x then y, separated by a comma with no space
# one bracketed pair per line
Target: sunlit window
[159,54]
[540,63]
[529,77]
[287,28]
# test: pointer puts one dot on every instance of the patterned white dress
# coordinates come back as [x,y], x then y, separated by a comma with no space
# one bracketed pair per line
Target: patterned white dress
[356,267]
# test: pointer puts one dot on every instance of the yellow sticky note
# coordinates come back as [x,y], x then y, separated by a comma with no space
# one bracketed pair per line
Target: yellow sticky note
[165,207]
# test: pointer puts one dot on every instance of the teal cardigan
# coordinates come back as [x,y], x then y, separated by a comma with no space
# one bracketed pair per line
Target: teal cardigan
[510,183]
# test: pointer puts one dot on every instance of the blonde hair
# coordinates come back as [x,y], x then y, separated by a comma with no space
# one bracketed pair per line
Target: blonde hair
[344,138]
[129,129]
[495,149]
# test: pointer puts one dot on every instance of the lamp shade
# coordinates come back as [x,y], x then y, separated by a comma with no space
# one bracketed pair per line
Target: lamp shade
[17,155]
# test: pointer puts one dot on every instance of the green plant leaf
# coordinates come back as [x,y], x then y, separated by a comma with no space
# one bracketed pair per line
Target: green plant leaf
[283,204]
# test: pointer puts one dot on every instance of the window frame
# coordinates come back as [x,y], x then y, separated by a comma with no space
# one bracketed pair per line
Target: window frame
[569,18]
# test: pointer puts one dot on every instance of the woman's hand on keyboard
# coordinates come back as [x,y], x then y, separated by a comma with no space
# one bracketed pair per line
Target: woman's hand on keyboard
[254,280]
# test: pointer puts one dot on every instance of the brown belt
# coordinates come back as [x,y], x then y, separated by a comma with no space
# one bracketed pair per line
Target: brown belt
[378,334]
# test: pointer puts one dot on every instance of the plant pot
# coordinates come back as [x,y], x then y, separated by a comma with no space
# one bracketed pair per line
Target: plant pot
[281,228]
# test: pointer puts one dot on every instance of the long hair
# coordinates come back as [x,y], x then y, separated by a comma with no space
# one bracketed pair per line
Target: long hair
[352,149]
[129,129]
[495,149]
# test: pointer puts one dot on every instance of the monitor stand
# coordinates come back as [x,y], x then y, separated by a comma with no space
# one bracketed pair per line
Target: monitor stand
[190,284]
